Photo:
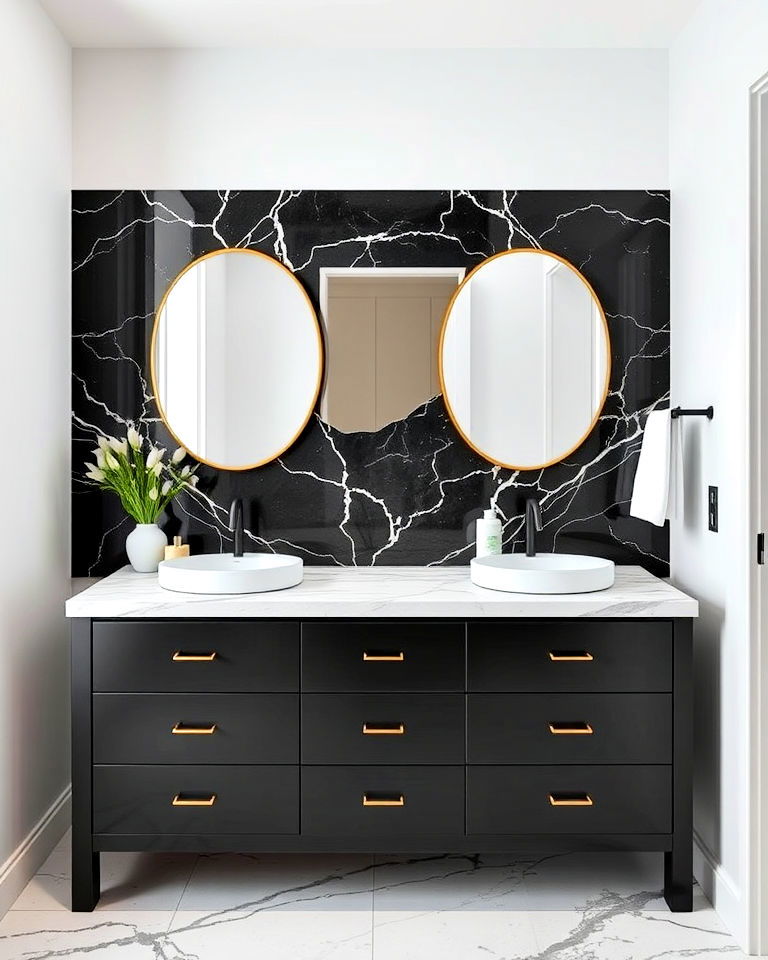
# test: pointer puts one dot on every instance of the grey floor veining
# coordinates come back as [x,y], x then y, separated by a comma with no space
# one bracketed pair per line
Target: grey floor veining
[311,907]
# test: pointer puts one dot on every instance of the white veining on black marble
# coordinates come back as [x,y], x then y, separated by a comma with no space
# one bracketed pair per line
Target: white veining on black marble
[409,493]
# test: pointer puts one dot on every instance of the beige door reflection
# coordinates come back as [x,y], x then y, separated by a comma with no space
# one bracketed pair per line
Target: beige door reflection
[382,331]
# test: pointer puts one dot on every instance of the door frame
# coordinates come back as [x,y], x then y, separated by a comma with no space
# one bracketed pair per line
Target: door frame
[757,833]
[327,272]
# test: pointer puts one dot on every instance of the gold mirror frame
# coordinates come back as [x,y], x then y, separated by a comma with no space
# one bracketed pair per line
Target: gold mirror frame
[441,373]
[320,353]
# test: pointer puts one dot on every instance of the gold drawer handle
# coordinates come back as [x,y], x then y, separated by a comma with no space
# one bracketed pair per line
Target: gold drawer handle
[398,801]
[180,657]
[381,657]
[570,800]
[180,801]
[382,728]
[560,656]
[573,727]
[186,728]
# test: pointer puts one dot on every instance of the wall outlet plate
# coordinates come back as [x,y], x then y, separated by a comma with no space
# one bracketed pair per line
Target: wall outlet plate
[712,511]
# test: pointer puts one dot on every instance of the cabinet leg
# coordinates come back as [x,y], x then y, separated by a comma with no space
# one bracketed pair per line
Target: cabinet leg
[678,878]
[678,862]
[86,881]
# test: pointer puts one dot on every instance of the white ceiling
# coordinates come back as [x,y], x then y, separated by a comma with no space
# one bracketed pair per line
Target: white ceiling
[370,23]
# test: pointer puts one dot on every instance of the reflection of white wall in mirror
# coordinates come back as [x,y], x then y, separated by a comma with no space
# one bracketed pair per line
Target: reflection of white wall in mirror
[270,365]
[237,359]
[570,396]
[179,362]
[457,361]
[599,357]
[507,358]
[213,372]
[180,365]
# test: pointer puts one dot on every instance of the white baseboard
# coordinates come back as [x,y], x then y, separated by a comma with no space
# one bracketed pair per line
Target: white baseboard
[31,853]
[720,889]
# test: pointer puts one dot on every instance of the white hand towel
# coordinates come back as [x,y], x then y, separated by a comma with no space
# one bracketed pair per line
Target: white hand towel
[675,499]
[650,495]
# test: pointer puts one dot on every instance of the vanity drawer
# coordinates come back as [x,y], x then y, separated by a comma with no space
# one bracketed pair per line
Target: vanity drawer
[209,728]
[555,655]
[518,800]
[206,656]
[140,799]
[383,728]
[399,801]
[354,656]
[569,728]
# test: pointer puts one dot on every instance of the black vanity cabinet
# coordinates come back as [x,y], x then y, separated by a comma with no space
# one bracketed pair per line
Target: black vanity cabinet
[381,735]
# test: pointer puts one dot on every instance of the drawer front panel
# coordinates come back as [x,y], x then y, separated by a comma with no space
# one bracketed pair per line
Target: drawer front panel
[400,657]
[196,728]
[140,799]
[383,728]
[569,728]
[570,656]
[210,656]
[516,800]
[400,801]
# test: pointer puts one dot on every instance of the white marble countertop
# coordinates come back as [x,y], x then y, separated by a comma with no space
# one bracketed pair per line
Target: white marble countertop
[382,592]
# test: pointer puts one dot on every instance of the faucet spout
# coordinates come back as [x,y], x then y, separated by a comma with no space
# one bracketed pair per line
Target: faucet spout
[236,526]
[532,524]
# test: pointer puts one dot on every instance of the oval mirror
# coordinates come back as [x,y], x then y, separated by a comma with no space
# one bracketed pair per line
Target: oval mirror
[236,359]
[524,359]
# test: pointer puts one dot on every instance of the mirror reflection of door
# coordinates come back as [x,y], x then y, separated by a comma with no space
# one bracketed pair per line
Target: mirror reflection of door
[382,334]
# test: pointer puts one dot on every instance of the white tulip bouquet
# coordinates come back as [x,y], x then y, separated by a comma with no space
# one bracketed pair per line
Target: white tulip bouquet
[145,484]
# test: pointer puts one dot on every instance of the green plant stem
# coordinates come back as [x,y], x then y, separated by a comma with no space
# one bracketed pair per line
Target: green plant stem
[133,481]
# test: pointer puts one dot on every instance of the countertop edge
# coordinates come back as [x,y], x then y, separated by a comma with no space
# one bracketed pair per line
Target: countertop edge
[345,610]
[382,593]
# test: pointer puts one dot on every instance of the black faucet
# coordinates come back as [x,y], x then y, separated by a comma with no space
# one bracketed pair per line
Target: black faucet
[236,526]
[532,524]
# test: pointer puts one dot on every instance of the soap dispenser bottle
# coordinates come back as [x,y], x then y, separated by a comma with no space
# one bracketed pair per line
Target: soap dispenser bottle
[488,535]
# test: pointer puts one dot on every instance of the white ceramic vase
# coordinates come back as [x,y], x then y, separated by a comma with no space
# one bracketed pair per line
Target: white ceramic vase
[145,547]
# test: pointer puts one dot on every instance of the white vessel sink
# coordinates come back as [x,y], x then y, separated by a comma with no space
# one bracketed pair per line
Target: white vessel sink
[225,573]
[544,573]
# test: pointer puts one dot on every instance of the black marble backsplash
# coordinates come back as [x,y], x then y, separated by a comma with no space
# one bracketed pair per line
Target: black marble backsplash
[407,494]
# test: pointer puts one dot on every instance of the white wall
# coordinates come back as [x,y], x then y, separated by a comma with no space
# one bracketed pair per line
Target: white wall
[34,395]
[721,53]
[374,119]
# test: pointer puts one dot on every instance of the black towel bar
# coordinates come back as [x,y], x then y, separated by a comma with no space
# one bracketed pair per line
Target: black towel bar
[707,412]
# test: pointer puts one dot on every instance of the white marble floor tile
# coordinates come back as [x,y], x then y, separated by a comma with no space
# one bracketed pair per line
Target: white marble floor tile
[30,934]
[569,881]
[620,927]
[453,935]
[313,907]
[129,881]
[272,934]
[451,882]
[287,881]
